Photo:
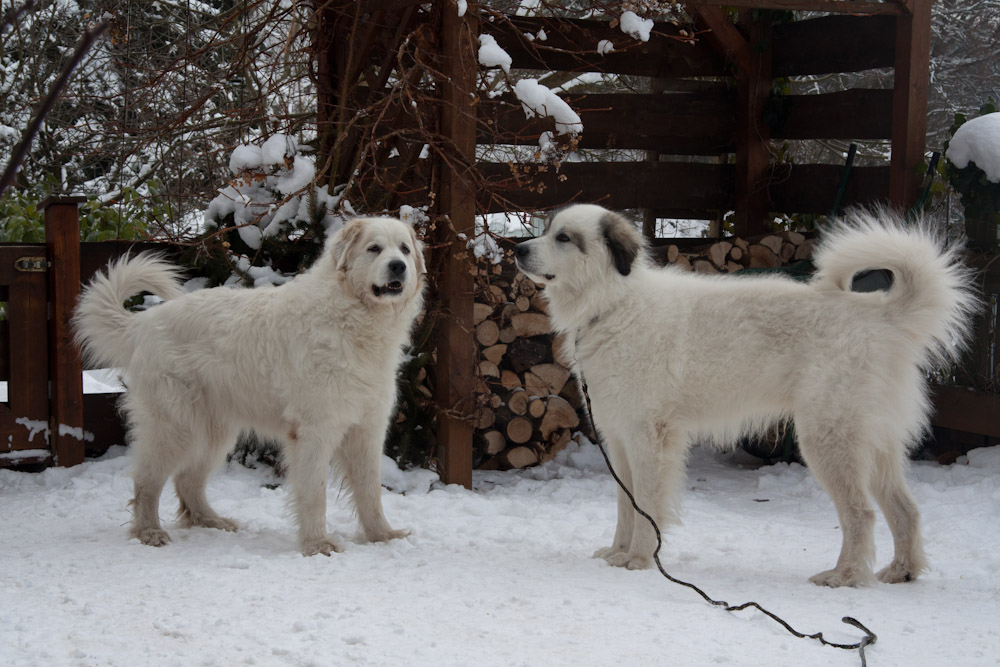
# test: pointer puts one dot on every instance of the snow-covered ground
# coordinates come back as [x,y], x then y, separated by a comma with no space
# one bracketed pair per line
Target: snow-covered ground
[500,575]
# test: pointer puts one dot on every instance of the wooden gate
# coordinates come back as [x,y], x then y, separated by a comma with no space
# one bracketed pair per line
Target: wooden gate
[41,421]
[24,418]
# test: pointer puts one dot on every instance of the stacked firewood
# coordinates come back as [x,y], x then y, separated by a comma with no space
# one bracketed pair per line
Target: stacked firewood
[770,251]
[528,397]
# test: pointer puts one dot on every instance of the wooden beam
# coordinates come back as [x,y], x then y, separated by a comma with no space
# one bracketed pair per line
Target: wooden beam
[695,186]
[854,7]
[571,46]
[722,34]
[696,123]
[857,113]
[909,121]
[833,45]
[456,351]
[62,240]
[753,155]
[963,409]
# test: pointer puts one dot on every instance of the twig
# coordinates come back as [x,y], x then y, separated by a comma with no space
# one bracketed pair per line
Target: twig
[21,150]
[14,14]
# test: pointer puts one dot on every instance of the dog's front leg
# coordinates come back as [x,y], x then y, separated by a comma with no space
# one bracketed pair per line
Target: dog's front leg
[626,522]
[657,461]
[359,460]
[308,458]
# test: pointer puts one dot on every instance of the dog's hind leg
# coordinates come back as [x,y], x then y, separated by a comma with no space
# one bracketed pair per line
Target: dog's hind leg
[155,457]
[900,510]
[840,458]
[359,461]
[194,510]
[657,458]
[626,515]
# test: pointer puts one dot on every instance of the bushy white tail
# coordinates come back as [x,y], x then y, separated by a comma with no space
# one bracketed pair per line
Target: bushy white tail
[101,321]
[931,298]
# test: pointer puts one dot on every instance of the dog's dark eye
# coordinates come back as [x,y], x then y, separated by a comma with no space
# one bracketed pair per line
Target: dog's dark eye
[405,249]
[375,249]
[562,237]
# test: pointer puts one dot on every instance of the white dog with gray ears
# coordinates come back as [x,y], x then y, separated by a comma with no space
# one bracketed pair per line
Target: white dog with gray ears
[672,356]
[311,364]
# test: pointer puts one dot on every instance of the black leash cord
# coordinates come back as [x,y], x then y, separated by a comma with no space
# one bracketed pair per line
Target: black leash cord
[869,638]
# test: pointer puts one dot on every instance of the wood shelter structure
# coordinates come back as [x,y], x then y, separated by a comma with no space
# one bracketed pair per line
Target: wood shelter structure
[404,120]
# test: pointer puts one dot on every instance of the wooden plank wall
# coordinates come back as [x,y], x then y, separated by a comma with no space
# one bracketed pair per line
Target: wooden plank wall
[695,117]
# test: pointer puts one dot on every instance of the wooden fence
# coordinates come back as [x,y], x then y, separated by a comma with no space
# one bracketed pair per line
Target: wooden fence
[711,114]
[47,420]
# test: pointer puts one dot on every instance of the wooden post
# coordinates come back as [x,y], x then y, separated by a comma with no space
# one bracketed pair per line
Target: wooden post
[753,85]
[62,240]
[456,350]
[909,103]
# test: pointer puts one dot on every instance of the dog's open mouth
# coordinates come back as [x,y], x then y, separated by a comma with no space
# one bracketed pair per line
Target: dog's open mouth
[393,288]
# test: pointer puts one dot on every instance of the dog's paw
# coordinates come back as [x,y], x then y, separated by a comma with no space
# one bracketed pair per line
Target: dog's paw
[896,573]
[217,522]
[608,552]
[843,577]
[324,546]
[154,537]
[630,561]
[386,536]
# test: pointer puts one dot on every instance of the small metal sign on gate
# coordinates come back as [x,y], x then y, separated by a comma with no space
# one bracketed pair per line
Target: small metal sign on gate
[32,264]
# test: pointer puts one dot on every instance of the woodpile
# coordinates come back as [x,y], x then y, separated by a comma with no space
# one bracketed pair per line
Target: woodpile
[732,255]
[528,397]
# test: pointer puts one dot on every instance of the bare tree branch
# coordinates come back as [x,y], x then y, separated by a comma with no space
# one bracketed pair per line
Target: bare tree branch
[15,14]
[21,150]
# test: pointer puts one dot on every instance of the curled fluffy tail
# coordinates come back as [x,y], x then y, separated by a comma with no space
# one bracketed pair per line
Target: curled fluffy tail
[101,322]
[931,299]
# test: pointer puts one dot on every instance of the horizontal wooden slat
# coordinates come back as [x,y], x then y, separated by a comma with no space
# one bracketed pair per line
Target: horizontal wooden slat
[617,185]
[4,350]
[812,188]
[849,114]
[571,45]
[680,187]
[701,123]
[10,253]
[832,44]
[966,410]
[94,256]
[101,418]
[822,45]
[855,7]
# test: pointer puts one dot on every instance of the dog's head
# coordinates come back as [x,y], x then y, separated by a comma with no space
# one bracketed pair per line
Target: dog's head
[380,258]
[581,244]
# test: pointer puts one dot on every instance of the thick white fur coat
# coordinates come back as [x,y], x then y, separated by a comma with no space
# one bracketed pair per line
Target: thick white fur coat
[310,364]
[673,357]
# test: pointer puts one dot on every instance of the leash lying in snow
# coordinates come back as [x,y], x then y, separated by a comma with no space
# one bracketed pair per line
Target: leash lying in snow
[869,638]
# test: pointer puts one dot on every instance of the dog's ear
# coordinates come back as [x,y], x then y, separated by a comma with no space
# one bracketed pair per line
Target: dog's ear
[344,241]
[418,252]
[623,240]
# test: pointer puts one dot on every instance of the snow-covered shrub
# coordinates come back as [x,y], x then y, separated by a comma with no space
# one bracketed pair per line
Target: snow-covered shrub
[271,218]
[973,169]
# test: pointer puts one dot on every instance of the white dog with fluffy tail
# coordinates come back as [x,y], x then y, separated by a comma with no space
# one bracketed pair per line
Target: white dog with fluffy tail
[311,364]
[672,356]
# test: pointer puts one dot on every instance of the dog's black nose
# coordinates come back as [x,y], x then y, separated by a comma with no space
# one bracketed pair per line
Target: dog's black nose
[521,250]
[397,268]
